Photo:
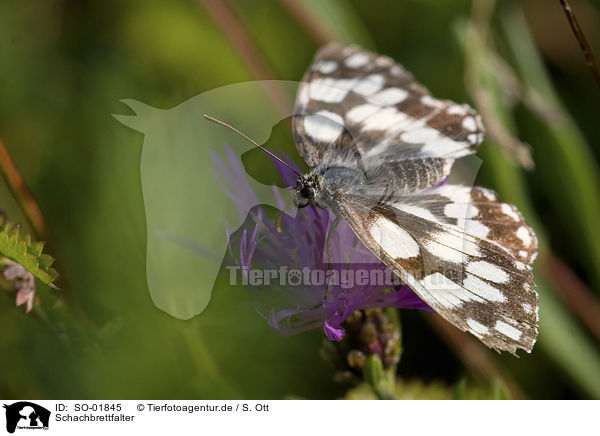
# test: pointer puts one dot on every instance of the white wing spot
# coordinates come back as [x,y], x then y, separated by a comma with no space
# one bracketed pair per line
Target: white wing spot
[369,85]
[329,90]
[416,211]
[523,254]
[446,292]
[523,235]
[445,147]
[384,119]
[508,330]
[483,289]
[473,228]
[469,124]
[324,126]
[304,94]
[488,271]
[428,100]
[487,194]
[520,265]
[460,210]
[359,113]
[420,136]
[509,211]
[327,67]
[397,71]
[357,60]
[477,328]
[527,308]
[457,110]
[390,96]
[451,247]
[455,193]
[393,239]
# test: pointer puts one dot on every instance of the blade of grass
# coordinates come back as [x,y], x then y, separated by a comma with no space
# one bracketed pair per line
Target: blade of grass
[473,354]
[224,16]
[583,358]
[331,19]
[19,189]
[573,292]
[311,23]
[579,199]
[563,340]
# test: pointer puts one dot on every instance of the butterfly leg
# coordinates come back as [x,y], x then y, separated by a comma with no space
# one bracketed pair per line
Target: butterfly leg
[330,235]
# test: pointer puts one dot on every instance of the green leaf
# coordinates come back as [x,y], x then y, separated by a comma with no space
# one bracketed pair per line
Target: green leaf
[20,249]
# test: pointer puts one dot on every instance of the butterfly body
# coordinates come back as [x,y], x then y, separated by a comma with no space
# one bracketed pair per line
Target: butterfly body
[324,182]
[380,148]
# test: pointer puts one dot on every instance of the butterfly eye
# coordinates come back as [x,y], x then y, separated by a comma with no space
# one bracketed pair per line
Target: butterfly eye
[307,192]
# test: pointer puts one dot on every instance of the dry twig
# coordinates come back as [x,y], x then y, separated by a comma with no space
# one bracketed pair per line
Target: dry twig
[586,49]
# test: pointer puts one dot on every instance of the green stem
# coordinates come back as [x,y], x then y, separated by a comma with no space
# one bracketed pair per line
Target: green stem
[381,380]
[22,194]
[34,215]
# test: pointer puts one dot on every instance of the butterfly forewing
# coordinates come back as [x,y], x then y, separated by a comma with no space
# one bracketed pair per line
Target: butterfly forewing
[383,108]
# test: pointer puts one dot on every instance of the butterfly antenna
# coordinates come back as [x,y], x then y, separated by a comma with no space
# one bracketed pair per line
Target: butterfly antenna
[214,120]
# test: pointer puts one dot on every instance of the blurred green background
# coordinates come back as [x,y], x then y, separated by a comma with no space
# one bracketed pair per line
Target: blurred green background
[64,66]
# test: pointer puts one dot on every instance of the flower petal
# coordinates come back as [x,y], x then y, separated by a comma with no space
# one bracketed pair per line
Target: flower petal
[332,333]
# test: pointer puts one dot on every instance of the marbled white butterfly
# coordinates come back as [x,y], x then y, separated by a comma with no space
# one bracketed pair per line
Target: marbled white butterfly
[380,148]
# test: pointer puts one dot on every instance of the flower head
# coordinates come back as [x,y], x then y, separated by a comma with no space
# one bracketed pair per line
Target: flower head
[24,282]
[312,288]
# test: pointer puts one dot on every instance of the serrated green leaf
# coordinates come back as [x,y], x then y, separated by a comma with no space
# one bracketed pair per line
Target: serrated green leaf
[36,248]
[45,261]
[20,249]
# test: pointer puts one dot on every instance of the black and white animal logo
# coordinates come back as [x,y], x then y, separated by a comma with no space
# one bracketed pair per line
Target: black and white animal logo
[26,415]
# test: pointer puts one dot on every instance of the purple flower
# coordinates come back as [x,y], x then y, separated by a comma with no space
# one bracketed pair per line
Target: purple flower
[24,283]
[306,288]
[246,247]
[332,333]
